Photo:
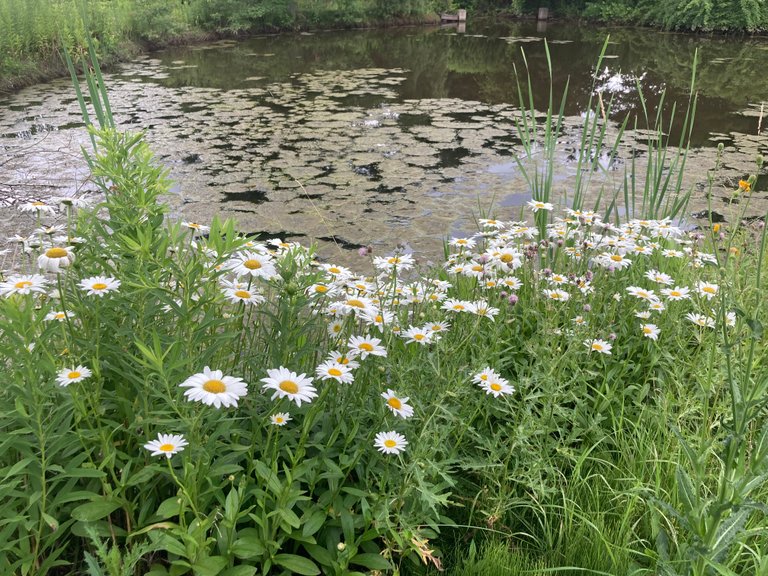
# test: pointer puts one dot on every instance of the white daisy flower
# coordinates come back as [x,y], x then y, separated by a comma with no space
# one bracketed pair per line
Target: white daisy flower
[243,295]
[390,442]
[642,293]
[23,284]
[99,285]
[69,375]
[37,206]
[397,261]
[537,205]
[336,272]
[166,445]
[335,328]
[332,370]
[286,384]
[253,263]
[482,308]
[707,289]
[363,346]
[676,293]
[346,360]
[212,388]
[659,277]
[399,405]
[467,243]
[650,331]
[280,418]
[200,228]
[436,327]
[453,305]
[598,345]
[59,315]
[701,320]
[485,375]
[497,386]
[559,295]
[53,259]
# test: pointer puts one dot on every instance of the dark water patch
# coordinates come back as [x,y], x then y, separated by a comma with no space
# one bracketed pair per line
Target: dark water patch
[342,242]
[452,157]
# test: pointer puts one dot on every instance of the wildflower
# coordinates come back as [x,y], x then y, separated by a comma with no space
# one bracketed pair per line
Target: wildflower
[57,315]
[676,293]
[701,320]
[335,327]
[339,358]
[579,321]
[745,185]
[641,293]
[212,388]
[355,304]
[378,318]
[670,253]
[453,305]
[558,279]
[243,295]
[99,285]
[365,345]
[657,306]
[707,289]
[598,345]
[320,290]
[559,295]
[485,375]
[390,442]
[437,327]
[537,205]
[22,285]
[398,405]
[280,418]
[166,444]
[389,263]
[417,335]
[650,331]
[50,230]
[511,282]
[338,272]
[730,319]
[202,229]
[659,277]
[37,206]
[496,385]
[70,375]
[286,384]
[55,258]
[481,308]
[616,261]
[253,263]
[332,370]
[643,314]
[468,243]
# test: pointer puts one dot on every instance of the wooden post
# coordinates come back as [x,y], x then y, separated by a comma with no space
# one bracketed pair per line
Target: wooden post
[543,13]
[462,15]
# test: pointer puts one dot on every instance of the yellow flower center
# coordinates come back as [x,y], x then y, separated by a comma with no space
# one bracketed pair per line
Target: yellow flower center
[709,289]
[436,327]
[477,268]
[342,360]
[242,294]
[252,264]
[336,328]
[647,330]
[166,447]
[555,296]
[279,419]
[675,293]
[56,253]
[496,387]
[393,260]
[73,375]
[597,347]
[99,286]
[334,270]
[194,225]
[458,307]
[334,372]
[23,284]
[289,386]
[215,386]
[356,303]
[395,403]
[617,257]
[418,336]
[322,289]
[379,318]
[389,443]
[366,346]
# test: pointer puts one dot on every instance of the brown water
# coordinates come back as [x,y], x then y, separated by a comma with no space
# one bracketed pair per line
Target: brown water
[392,136]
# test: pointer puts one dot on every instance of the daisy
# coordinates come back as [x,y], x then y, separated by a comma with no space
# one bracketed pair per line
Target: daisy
[453,305]
[378,318]
[417,335]
[707,289]
[659,277]
[280,418]
[598,345]
[253,263]
[166,444]
[676,293]
[579,321]
[642,293]
[286,384]
[202,229]
[650,331]
[70,375]
[481,308]
[365,345]
[511,283]
[497,386]
[657,306]
[730,319]
[399,405]
[614,260]
[643,314]
[485,375]
[339,358]
[537,205]
[559,295]
[335,327]
[242,295]
[397,262]
[99,285]
[468,243]
[38,207]
[332,370]
[355,304]
[390,442]
[57,315]
[701,320]
[336,271]
[55,258]
[320,290]
[437,327]
[22,285]
[212,388]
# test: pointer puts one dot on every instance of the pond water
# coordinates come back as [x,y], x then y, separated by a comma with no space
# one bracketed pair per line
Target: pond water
[397,136]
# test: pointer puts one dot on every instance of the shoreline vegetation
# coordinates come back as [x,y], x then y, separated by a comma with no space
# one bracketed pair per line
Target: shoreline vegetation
[33,34]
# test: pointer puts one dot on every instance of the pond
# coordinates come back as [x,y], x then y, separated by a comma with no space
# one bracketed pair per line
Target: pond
[397,136]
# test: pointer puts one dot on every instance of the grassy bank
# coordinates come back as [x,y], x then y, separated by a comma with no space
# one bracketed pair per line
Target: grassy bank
[32,33]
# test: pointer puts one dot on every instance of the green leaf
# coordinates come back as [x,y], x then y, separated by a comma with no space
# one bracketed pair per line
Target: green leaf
[322,555]
[210,566]
[168,508]
[297,564]
[686,492]
[371,561]
[96,510]
[248,544]
[240,571]
[313,523]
